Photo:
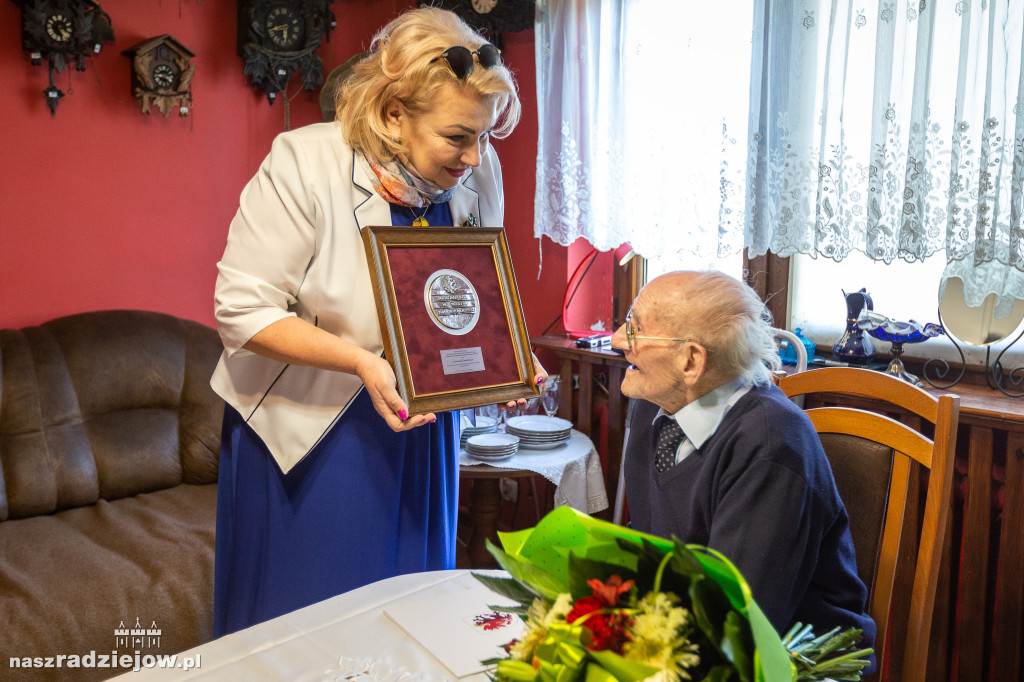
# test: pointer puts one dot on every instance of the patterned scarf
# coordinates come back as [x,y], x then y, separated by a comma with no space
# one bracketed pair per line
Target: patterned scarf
[397,184]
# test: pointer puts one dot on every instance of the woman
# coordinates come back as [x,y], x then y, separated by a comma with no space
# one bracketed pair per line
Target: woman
[325,486]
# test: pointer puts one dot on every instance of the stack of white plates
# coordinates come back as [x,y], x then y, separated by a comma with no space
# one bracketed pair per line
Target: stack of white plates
[538,432]
[492,446]
[483,425]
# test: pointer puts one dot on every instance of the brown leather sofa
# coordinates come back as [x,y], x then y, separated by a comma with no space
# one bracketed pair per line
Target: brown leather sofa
[109,434]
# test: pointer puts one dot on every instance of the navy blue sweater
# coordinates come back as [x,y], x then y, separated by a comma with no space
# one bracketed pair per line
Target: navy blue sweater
[760,490]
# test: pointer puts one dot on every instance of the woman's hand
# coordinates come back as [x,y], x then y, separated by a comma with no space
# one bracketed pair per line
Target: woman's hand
[539,378]
[380,382]
[296,341]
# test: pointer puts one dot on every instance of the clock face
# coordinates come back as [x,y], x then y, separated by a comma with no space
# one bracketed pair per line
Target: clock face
[163,76]
[285,27]
[484,6]
[59,27]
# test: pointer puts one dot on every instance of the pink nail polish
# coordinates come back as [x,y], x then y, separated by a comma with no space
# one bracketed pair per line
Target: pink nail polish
[403,415]
[540,380]
[434,420]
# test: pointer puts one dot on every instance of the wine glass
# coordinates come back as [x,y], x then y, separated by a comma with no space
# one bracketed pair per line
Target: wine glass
[509,412]
[550,397]
[489,411]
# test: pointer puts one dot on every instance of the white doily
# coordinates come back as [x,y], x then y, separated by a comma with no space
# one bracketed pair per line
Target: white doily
[372,670]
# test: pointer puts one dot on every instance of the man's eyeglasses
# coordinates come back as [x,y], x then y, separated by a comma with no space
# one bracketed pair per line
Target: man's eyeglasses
[632,336]
[460,59]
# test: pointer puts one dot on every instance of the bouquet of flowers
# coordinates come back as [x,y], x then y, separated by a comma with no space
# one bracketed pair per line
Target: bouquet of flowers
[603,603]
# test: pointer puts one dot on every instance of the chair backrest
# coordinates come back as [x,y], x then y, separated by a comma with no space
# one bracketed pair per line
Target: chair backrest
[794,342]
[871,456]
[619,511]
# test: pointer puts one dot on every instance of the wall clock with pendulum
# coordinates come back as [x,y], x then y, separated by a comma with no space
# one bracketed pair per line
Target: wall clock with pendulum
[277,38]
[494,16]
[61,31]
[162,72]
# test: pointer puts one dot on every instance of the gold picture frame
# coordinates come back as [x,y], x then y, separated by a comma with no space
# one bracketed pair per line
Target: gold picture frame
[450,316]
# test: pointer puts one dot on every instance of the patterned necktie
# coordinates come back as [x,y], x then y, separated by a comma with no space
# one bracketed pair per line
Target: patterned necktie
[669,436]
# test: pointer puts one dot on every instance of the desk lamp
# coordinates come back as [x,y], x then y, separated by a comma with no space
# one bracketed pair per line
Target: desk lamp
[622,255]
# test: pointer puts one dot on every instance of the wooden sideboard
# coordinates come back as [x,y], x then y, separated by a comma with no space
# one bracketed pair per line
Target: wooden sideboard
[979,619]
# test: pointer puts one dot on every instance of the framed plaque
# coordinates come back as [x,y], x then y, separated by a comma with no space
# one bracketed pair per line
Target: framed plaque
[450,316]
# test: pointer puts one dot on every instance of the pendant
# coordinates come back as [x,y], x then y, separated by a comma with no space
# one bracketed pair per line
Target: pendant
[420,222]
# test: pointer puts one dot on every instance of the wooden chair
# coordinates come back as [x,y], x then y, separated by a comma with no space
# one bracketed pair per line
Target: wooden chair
[871,457]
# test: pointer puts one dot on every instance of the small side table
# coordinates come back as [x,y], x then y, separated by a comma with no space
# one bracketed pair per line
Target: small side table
[485,509]
[574,468]
[582,363]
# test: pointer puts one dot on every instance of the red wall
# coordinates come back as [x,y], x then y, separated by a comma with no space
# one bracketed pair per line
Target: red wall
[102,207]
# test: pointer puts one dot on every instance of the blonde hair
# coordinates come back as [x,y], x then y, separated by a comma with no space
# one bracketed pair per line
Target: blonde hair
[399,66]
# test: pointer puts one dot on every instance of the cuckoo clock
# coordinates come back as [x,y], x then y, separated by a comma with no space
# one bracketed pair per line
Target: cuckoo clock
[162,71]
[277,38]
[494,16]
[61,31]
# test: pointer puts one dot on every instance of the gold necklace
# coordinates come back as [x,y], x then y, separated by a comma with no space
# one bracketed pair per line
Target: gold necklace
[420,220]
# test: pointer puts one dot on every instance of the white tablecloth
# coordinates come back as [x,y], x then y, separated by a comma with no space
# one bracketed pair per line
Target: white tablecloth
[326,641]
[574,468]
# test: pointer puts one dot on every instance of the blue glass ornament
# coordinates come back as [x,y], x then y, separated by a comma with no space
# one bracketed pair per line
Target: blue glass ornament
[898,333]
[854,346]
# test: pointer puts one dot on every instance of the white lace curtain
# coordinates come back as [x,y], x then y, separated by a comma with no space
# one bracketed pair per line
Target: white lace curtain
[895,129]
[890,127]
[642,134]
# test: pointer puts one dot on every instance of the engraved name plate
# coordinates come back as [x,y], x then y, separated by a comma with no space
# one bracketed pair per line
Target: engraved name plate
[452,302]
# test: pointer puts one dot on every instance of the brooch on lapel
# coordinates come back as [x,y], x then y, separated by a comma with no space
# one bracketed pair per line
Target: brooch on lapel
[471,221]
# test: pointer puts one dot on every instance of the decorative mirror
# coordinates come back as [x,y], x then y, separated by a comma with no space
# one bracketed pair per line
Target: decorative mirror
[976,326]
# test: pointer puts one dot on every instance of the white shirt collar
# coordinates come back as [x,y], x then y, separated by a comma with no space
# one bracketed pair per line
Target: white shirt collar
[701,418]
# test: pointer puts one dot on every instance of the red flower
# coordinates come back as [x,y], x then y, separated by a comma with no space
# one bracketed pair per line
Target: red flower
[608,629]
[582,607]
[610,591]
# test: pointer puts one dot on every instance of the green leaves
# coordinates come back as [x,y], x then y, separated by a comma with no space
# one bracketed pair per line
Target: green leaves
[507,587]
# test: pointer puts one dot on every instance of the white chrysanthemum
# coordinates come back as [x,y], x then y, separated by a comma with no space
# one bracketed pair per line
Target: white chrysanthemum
[559,610]
[659,637]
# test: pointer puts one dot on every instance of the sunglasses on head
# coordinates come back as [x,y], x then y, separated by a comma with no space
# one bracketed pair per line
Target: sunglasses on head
[460,59]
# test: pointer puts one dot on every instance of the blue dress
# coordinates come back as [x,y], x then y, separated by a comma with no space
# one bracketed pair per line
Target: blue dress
[364,504]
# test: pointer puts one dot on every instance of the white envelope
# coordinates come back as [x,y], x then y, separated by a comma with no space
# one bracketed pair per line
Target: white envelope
[459,629]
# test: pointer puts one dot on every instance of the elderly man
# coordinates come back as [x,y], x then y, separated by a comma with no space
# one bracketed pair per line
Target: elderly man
[717,455]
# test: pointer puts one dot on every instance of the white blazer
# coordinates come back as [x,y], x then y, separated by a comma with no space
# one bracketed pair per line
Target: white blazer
[294,249]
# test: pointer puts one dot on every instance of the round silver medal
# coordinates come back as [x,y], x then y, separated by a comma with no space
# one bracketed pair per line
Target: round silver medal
[452,301]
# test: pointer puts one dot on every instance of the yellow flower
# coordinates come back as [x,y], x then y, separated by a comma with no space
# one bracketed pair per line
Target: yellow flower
[659,637]
[539,618]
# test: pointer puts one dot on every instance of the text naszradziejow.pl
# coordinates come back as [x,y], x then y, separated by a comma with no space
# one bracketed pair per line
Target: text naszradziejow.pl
[134,662]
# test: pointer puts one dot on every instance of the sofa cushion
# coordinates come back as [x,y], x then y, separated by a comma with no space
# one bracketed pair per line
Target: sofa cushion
[104,405]
[147,557]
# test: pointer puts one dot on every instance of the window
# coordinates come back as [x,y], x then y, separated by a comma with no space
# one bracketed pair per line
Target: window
[872,131]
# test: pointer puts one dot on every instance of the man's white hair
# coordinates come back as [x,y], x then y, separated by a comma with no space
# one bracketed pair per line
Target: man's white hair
[725,316]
